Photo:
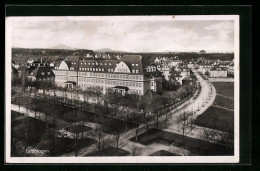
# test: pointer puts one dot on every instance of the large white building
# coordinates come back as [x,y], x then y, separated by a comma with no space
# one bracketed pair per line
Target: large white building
[127,75]
[218,72]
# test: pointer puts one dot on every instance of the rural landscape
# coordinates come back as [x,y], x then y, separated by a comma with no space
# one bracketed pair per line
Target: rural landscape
[84,102]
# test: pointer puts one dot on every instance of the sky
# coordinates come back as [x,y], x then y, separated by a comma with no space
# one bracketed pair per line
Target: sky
[127,35]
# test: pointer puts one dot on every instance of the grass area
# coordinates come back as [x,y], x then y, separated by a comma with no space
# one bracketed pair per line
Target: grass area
[217,118]
[163,153]
[35,129]
[224,102]
[196,146]
[111,151]
[70,114]
[224,88]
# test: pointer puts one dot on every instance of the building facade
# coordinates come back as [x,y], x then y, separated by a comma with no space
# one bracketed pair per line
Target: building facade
[218,73]
[127,75]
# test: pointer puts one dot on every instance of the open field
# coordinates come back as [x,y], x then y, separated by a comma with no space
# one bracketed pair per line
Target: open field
[217,118]
[224,102]
[224,88]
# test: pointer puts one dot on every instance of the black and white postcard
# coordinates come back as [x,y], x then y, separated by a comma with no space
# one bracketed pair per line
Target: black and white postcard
[122,89]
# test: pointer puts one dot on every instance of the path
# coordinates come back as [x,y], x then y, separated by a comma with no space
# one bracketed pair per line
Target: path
[223,108]
[231,98]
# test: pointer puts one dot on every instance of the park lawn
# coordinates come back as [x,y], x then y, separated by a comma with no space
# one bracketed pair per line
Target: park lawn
[70,114]
[196,146]
[224,102]
[217,118]
[224,88]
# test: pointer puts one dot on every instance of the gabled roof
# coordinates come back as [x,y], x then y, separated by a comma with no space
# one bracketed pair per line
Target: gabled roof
[133,60]
[43,71]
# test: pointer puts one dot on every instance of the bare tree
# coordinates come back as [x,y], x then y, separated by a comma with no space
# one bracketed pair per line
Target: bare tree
[166,118]
[98,135]
[137,119]
[183,121]
[148,119]
[209,135]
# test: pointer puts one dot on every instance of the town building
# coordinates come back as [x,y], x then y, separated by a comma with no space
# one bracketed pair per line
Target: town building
[42,73]
[127,75]
[165,69]
[218,72]
[205,67]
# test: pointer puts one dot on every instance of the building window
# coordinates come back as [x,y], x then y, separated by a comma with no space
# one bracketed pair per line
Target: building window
[136,64]
[136,71]
[109,63]
[111,70]
[105,63]
[108,70]
[133,71]
[100,63]
[102,69]
[133,64]
[49,73]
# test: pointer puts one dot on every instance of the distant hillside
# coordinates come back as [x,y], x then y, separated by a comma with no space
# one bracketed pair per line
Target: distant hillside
[62,46]
[108,50]
[23,54]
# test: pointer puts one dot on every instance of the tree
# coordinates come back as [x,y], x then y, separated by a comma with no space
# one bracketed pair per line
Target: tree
[98,135]
[148,119]
[209,135]
[183,121]
[137,119]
